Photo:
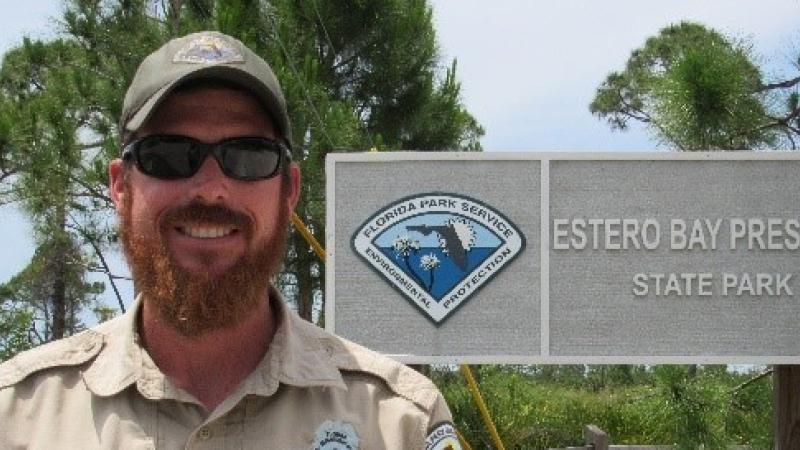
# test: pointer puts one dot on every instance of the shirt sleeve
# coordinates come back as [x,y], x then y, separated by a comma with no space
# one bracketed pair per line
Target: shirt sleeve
[441,433]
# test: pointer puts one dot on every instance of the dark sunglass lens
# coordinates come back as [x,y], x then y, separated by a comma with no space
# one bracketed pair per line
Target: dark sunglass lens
[250,158]
[167,157]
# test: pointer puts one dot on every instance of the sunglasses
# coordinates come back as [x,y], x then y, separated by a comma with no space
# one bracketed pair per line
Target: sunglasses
[174,157]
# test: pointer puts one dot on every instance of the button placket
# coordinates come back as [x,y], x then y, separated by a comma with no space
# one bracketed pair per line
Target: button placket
[204,434]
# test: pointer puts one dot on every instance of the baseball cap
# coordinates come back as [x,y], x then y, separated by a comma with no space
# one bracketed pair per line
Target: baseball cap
[203,55]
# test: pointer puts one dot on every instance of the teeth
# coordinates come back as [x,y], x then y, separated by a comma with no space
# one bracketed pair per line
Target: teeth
[205,232]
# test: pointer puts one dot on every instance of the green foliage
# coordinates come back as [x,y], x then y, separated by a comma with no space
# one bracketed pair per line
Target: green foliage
[662,406]
[707,101]
[27,313]
[44,94]
[16,322]
[695,90]
[600,377]
[379,57]
[356,75]
[689,406]
[751,413]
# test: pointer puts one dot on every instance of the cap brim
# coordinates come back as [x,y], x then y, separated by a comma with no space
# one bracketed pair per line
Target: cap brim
[140,117]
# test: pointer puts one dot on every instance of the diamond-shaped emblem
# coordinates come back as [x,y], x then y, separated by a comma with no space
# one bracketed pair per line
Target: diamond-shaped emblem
[438,249]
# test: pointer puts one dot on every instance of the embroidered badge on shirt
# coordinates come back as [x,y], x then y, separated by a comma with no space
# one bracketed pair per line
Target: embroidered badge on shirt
[208,49]
[335,435]
[443,437]
[438,249]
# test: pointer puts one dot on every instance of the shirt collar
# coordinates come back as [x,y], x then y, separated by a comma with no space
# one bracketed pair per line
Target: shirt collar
[300,354]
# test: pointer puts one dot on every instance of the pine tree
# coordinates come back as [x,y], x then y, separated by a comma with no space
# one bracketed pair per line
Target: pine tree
[356,75]
[696,89]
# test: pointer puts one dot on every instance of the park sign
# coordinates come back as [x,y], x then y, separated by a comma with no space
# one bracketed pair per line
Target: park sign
[620,258]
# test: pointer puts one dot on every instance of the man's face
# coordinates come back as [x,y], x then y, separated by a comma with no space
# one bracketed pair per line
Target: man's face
[202,249]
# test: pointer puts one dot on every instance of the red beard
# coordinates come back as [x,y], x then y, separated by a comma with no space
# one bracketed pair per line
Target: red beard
[198,303]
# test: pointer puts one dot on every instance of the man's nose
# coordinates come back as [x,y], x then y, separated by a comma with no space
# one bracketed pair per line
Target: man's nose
[210,183]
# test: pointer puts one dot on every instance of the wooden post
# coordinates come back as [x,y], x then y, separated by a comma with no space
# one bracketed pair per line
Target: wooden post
[786,388]
[595,437]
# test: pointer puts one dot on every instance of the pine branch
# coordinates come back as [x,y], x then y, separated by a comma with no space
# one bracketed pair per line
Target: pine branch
[93,191]
[91,145]
[636,114]
[35,332]
[7,173]
[780,85]
[738,388]
[784,122]
[790,137]
[90,239]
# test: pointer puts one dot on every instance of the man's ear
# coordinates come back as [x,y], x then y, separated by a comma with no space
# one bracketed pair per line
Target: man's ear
[116,183]
[294,185]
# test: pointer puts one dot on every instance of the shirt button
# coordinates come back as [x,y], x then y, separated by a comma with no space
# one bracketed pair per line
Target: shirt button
[204,433]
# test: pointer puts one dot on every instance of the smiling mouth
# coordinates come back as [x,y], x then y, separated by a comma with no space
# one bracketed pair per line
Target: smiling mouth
[206,231]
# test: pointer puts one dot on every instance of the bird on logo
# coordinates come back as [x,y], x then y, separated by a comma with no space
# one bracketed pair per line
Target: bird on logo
[456,236]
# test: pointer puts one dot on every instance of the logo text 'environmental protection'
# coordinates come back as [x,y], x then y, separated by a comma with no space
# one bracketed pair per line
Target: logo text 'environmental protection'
[438,249]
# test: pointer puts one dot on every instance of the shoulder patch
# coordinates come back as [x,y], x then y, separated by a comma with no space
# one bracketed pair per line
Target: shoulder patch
[402,380]
[442,437]
[70,351]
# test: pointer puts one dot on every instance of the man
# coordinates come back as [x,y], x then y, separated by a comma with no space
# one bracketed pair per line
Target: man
[208,356]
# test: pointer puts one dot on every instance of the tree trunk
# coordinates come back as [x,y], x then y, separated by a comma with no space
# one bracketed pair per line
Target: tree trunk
[786,389]
[305,284]
[59,296]
[174,16]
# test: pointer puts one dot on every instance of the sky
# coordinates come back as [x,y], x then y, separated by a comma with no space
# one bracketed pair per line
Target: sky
[528,69]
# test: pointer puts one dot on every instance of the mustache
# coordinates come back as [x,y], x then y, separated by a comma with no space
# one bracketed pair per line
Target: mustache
[208,214]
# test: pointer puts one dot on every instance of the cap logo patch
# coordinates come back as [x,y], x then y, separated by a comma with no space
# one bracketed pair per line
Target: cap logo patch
[335,435]
[208,49]
[438,249]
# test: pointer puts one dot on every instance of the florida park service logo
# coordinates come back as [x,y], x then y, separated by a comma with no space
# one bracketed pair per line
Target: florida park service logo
[438,249]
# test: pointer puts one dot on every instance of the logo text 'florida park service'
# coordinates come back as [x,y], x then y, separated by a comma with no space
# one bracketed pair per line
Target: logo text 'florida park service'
[438,249]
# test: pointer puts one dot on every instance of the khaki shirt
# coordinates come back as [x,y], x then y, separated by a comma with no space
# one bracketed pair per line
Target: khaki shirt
[100,389]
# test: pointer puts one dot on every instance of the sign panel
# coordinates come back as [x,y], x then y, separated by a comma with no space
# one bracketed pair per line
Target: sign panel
[609,258]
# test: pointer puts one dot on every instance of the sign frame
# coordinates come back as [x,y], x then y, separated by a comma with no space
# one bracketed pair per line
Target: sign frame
[544,158]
